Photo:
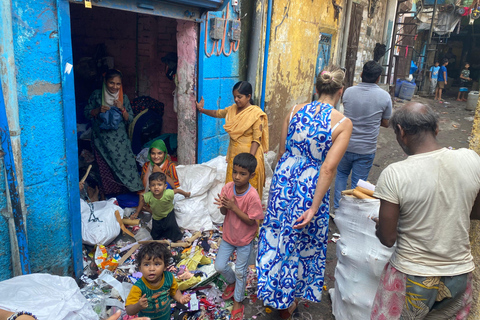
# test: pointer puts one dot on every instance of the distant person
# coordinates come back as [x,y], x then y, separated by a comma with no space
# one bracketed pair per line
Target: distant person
[434,77]
[442,80]
[160,201]
[150,295]
[369,107]
[240,203]
[426,203]
[464,79]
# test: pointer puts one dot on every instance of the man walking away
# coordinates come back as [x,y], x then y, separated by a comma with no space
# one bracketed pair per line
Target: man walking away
[368,106]
[426,203]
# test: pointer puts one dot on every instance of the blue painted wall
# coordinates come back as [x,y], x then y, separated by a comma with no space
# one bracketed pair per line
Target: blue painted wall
[37,61]
[217,76]
[5,253]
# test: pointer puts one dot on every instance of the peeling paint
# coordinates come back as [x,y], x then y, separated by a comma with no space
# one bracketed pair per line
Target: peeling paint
[41,87]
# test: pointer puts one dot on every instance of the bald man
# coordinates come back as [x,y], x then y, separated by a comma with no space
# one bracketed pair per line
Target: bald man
[426,203]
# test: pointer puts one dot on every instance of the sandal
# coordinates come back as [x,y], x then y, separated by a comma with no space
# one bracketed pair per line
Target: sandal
[238,314]
[229,292]
[285,313]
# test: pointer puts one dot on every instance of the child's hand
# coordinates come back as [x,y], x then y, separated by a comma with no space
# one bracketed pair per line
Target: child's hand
[218,201]
[185,299]
[143,302]
[200,105]
[228,203]
[187,194]
[133,216]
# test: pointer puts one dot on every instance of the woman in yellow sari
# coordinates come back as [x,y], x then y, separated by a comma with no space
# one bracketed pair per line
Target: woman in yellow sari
[247,126]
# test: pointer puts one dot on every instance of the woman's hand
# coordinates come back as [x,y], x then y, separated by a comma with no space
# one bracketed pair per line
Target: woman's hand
[156,168]
[304,219]
[200,105]
[104,109]
[119,105]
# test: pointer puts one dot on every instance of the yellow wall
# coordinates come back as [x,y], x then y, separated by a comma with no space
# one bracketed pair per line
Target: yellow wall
[295,29]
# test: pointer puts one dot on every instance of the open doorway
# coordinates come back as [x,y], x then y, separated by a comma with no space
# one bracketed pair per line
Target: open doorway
[145,49]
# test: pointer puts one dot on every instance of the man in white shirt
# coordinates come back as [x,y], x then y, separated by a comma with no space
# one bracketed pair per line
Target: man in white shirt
[426,203]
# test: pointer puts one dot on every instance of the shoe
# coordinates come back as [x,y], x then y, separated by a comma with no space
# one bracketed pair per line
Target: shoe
[285,313]
[229,292]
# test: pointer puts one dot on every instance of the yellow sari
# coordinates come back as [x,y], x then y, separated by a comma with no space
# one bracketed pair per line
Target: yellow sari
[249,125]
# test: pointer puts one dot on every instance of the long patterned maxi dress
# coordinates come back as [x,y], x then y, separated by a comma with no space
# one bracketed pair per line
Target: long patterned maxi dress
[291,262]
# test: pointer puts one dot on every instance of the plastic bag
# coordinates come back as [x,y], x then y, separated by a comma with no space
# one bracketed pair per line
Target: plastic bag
[99,224]
[47,296]
[361,259]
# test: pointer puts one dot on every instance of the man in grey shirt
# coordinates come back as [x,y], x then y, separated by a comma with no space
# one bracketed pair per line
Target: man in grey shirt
[369,107]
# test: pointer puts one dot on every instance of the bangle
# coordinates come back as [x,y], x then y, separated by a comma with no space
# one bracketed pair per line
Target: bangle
[124,111]
[20,313]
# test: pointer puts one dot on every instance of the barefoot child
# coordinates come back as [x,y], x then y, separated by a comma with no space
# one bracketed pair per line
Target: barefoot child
[160,201]
[159,162]
[241,205]
[150,296]
[464,79]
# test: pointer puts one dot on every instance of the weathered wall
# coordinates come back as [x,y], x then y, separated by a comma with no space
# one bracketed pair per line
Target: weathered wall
[6,271]
[187,38]
[117,30]
[371,32]
[36,46]
[295,29]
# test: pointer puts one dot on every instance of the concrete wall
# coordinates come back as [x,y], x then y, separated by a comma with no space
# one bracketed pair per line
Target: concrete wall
[36,48]
[6,270]
[295,29]
[371,32]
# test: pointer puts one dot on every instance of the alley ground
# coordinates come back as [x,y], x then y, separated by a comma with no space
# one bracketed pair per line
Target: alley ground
[455,129]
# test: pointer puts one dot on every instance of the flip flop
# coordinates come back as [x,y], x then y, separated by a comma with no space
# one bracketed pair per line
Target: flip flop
[238,314]
[229,292]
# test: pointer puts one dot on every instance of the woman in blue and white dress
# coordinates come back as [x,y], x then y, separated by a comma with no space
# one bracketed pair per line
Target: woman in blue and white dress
[293,239]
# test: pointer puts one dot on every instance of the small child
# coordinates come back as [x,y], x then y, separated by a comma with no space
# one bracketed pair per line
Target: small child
[160,201]
[159,162]
[442,80]
[150,296]
[464,79]
[241,205]
[434,77]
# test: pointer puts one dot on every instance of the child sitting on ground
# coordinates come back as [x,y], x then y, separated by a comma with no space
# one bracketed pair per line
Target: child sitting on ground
[159,162]
[160,201]
[150,296]
[242,207]
[464,79]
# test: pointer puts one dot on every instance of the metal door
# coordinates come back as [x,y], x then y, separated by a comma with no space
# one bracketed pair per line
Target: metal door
[217,75]
[352,46]
[323,57]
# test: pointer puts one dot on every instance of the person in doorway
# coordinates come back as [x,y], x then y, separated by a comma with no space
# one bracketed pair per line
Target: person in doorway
[464,79]
[150,296]
[242,207]
[368,107]
[247,126]
[434,77]
[160,201]
[426,203]
[442,80]
[293,238]
[110,112]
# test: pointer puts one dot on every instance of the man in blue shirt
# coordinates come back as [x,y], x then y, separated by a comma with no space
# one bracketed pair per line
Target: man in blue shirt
[442,80]
[368,107]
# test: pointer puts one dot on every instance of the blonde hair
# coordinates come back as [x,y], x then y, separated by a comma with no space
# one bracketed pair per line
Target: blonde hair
[330,80]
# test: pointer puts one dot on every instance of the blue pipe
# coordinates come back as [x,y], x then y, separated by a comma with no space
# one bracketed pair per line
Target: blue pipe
[265,54]
[12,187]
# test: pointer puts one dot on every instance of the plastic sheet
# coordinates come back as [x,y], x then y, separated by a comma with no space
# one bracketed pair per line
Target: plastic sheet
[361,259]
[47,296]
[99,225]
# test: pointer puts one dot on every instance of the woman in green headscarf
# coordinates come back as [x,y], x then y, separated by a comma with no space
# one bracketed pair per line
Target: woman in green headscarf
[159,162]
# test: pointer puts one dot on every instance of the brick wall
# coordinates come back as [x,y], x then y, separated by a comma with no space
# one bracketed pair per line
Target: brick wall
[117,30]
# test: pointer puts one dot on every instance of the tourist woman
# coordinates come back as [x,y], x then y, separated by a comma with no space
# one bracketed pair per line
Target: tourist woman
[293,238]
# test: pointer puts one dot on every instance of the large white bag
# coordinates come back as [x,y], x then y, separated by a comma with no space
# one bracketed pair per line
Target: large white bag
[47,296]
[99,224]
[361,259]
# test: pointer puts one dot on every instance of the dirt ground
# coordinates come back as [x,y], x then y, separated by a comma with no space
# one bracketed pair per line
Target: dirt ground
[455,129]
